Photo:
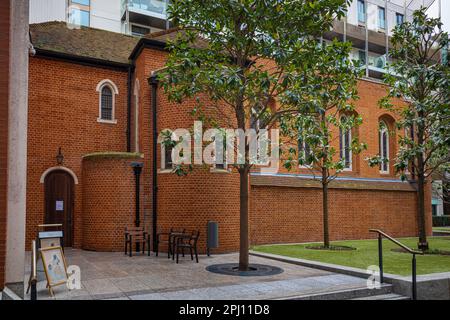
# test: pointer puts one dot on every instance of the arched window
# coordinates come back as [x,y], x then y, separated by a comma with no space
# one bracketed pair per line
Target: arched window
[107,104]
[304,150]
[107,91]
[345,140]
[384,147]
[165,141]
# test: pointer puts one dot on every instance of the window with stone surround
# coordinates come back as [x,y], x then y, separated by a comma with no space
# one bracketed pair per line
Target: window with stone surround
[107,99]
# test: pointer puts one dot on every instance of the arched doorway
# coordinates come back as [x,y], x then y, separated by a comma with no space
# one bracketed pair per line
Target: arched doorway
[59,202]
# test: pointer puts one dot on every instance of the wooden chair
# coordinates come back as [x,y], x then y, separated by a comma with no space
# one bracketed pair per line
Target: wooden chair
[136,235]
[167,237]
[187,241]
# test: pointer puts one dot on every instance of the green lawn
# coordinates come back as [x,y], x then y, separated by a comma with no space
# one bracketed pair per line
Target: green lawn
[445,229]
[366,254]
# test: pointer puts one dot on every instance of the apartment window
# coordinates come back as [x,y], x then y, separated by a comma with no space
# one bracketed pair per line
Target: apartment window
[361,11]
[381,18]
[384,147]
[107,91]
[82,2]
[139,31]
[399,18]
[345,139]
[79,12]
[79,17]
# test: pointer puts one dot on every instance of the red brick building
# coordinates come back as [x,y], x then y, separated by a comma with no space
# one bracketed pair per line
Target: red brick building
[91,96]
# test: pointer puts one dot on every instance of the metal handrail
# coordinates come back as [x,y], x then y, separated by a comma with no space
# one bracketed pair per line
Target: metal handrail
[396,241]
[382,234]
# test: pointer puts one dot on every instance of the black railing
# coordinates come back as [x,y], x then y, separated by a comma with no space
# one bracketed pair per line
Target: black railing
[381,234]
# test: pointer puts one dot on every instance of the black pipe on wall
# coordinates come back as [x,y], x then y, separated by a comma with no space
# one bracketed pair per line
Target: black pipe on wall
[137,168]
[153,81]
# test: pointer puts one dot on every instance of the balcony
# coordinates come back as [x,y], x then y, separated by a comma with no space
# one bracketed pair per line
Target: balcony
[376,62]
[151,13]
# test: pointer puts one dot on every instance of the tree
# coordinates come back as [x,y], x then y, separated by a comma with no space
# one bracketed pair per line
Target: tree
[418,75]
[331,91]
[245,54]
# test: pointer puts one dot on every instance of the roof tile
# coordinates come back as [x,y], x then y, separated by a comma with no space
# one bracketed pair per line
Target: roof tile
[83,42]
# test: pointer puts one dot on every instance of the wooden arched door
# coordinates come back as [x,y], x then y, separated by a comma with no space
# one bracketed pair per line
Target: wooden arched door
[59,202]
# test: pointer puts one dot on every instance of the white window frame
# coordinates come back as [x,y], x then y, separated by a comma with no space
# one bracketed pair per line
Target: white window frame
[396,18]
[384,129]
[350,168]
[361,23]
[379,28]
[115,92]
[141,26]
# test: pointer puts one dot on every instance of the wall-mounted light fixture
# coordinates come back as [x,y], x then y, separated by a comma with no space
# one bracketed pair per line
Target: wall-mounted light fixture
[59,157]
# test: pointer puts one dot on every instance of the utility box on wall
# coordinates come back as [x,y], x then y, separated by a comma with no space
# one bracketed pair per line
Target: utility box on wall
[212,236]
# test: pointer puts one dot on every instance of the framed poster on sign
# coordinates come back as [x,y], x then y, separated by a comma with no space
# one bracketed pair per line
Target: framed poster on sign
[55,267]
[50,242]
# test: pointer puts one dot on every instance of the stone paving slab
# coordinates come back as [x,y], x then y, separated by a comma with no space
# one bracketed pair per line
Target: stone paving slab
[114,276]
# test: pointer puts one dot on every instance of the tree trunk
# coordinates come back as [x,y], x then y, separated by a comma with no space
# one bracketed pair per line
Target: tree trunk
[244,242]
[423,243]
[326,234]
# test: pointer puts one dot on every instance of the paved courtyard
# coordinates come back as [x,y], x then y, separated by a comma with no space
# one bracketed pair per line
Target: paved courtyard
[116,276]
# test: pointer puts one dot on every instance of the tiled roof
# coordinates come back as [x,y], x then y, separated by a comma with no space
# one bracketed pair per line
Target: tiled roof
[83,42]
[171,34]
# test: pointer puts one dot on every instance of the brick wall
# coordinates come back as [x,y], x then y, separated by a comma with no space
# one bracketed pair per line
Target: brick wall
[108,202]
[290,215]
[4,95]
[191,201]
[63,112]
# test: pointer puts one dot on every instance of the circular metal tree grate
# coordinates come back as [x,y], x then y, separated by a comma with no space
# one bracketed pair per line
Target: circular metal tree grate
[255,270]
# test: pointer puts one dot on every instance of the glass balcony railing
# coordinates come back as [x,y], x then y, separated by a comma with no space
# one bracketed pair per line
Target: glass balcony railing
[149,7]
[376,62]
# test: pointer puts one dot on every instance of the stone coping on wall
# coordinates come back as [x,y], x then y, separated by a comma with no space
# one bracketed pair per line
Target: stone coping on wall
[113,155]
[351,183]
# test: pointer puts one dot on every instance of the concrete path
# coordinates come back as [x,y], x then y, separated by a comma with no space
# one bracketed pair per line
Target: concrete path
[116,276]
[263,290]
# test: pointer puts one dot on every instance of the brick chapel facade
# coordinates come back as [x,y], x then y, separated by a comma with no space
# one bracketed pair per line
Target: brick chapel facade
[90,188]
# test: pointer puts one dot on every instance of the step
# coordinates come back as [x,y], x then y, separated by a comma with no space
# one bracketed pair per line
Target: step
[389,296]
[346,294]
[8,294]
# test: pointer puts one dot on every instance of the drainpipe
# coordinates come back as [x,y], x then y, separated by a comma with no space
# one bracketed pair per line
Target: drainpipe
[129,90]
[137,168]
[153,81]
